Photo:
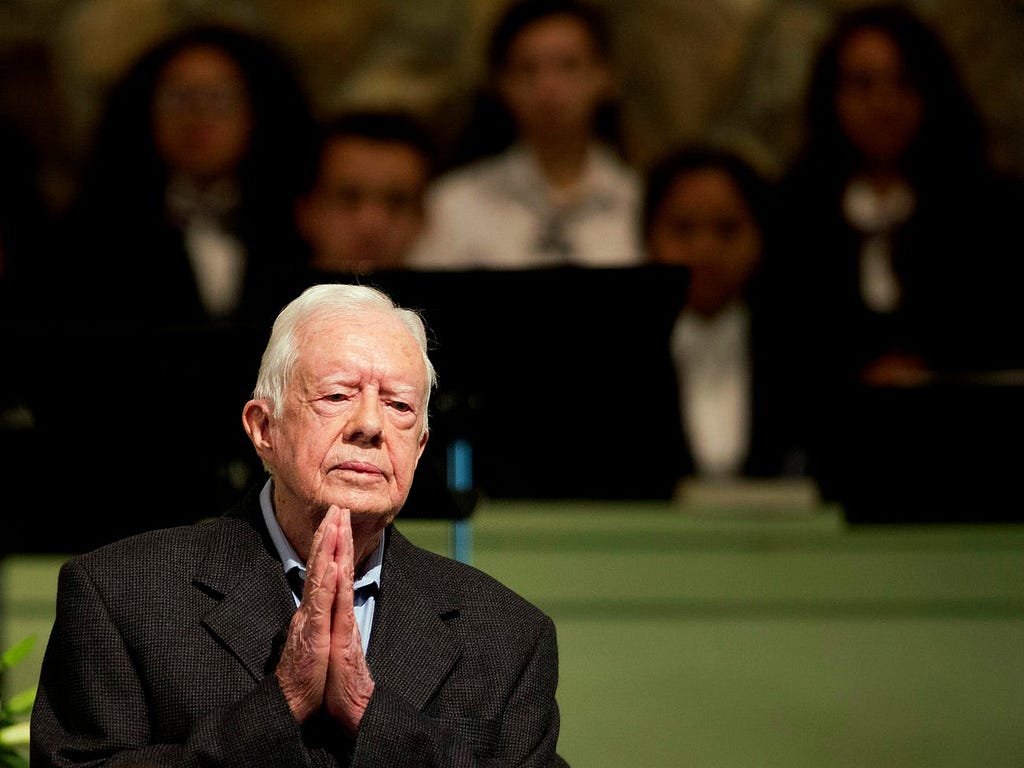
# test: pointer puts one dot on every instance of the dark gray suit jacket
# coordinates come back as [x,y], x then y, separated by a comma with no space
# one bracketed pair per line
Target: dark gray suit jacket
[165,643]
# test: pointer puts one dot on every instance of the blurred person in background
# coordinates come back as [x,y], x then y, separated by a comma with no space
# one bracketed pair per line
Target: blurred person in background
[546,183]
[173,260]
[903,258]
[905,261]
[710,210]
[184,212]
[363,208]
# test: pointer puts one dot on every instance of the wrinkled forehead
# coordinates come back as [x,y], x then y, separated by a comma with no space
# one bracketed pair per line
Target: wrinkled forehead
[375,336]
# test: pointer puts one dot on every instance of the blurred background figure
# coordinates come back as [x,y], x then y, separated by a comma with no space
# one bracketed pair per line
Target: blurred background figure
[710,210]
[903,273]
[363,208]
[899,229]
[175,255]
[184,213]
[542,181]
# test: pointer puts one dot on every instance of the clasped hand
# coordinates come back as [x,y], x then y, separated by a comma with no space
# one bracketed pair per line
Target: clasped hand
[322,665]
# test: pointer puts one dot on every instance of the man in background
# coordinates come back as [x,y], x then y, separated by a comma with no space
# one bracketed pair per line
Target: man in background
[364,207]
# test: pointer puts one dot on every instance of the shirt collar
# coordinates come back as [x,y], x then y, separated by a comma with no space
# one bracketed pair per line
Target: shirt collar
[290,558]
[285,551]
[603,175]
[374,563]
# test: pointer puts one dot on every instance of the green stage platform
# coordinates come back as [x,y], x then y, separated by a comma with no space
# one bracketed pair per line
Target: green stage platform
[739,638]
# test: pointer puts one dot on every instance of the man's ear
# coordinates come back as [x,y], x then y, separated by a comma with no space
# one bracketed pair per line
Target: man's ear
[423,444]
[256,422]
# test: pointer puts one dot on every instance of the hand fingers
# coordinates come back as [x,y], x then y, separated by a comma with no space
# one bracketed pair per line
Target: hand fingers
[344,628]
[321,551]
[322,556]
[344,558]
[349,684]
[302,669]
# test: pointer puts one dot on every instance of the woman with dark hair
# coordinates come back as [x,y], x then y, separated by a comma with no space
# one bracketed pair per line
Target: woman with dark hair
[184,211]
[897,224]
[546,184]
[903,259]
[708,209]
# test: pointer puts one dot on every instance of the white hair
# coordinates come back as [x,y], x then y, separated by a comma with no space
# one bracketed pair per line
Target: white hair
[329,300]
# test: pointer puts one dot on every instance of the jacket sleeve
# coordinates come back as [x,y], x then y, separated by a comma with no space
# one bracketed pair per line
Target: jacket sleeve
[93,702]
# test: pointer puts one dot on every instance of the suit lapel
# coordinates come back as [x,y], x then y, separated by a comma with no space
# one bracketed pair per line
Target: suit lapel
[256,604]
[412,649]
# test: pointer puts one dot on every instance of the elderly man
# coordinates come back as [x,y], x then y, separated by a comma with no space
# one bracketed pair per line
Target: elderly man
[302,628]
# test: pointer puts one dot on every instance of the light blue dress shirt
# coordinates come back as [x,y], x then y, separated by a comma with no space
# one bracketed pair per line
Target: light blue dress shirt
[366,585]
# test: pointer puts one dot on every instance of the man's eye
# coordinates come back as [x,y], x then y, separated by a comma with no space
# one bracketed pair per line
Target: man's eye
[336,397]
[400,406]
[347,198]
[684,228]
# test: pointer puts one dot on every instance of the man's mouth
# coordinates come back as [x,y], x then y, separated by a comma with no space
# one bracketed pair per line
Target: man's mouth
[361,467]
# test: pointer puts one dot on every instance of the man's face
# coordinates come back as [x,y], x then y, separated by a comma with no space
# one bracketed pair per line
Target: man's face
[351,431]
[367,208]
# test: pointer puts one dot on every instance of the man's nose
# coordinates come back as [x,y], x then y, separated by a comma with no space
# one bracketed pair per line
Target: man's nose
[705,247]
[367,421]
[372,215]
